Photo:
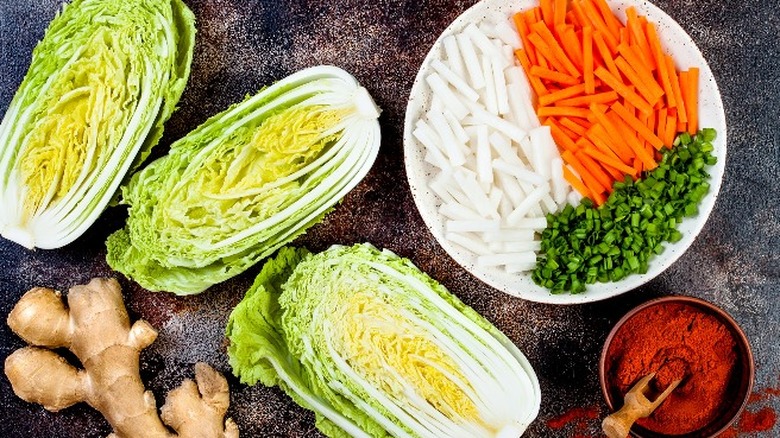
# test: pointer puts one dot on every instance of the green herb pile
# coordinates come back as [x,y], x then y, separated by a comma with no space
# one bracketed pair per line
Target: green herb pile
[584,244]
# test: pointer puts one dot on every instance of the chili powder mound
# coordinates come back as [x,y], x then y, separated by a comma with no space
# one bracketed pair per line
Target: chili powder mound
[676,341]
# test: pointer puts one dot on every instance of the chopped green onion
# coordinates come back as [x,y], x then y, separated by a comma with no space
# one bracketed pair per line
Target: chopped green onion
[585,244]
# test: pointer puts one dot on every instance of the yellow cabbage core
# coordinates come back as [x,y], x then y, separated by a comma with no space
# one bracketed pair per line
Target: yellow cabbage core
[235,186]
[75,125]
[379,343]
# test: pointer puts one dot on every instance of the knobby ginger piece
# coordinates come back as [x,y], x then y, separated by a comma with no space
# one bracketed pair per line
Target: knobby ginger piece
[96,328]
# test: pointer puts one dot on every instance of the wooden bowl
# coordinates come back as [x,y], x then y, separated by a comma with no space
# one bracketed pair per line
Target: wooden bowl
[739,389]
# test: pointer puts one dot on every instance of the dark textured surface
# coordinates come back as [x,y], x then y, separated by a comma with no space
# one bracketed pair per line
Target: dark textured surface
[242,45]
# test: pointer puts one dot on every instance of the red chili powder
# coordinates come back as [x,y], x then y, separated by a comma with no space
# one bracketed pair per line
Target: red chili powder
[675,341]
[578,415]
[760,421]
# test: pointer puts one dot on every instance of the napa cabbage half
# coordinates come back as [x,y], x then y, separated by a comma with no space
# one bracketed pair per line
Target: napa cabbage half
[246,182]
[103,80]
[377,348]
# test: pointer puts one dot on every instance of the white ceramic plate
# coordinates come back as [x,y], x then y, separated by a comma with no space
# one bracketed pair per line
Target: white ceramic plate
[419,173]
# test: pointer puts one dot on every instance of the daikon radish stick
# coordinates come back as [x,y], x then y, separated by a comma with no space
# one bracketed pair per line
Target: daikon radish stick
[454,60]
[455,80]
[474,192]
[425,135]
[504,235]
[512,189]
[508,35]
[506,258]
[480,40]
[473,66]
[488,94]
[559,185]
[470,226]
[435,158]
[446,95]
[504,149]
[499,82]
[520,112]
[449,143]
[505,207]
[456,127]
[518,268]
[518,172]
[532,223]
[548,203]
[468,243]
[495,197]
[458,211]
[531,200]
[530,245]
[484,159]
[439,187]
[543,147]
[499,124]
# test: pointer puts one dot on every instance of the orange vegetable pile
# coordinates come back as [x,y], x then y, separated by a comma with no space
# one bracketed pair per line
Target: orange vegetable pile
[609,93]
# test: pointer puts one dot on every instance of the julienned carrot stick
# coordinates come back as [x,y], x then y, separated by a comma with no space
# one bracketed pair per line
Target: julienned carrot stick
[571,18]
[637,125]
[567,111]
[660,129]
[547,11]
[692,97]
[617,175]
[554,76]
[522,29]
[571,45]
[573,126]
[536,83]
[638,149]
[596,170]
[586,100]
[644,72]
[555,48]
[593,185]
[644,89]
[559,136]
[587,59]
[622,90]
[660,62]
[542,49]
[598,134]
[605,53]
[637,166]
[562,94]
[682,116]
[576,6]
[610,161]
[599,25]
[559,12]
[613,24]
[638,33]
[575,182]
[671,127]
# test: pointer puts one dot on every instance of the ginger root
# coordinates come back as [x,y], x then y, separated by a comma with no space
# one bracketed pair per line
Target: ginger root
[96,328]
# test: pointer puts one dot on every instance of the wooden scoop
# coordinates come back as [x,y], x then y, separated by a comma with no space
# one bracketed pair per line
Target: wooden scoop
[635,406]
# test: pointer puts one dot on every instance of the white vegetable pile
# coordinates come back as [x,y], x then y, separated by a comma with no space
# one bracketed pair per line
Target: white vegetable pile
[500,172]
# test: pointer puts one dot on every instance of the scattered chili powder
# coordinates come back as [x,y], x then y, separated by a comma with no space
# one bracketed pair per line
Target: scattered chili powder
[760,421]
[576,415]
[676,341]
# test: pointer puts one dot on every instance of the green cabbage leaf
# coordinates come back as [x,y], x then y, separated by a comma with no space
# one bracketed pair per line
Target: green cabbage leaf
[377,348]
[102,81]
[246,182]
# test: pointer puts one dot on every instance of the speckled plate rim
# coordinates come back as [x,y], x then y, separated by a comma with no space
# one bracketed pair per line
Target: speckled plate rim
[711,114]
